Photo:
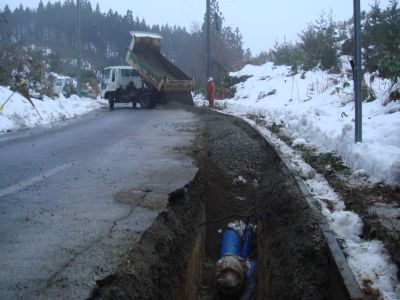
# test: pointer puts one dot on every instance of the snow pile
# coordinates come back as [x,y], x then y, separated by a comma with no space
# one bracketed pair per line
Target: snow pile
[316,109]
[240,179]
[18,113]
[199,100]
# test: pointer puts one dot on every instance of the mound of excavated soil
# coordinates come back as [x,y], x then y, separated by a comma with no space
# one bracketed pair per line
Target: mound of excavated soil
[174,100]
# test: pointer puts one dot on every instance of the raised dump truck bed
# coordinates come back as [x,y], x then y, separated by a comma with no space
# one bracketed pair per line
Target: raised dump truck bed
[144,56]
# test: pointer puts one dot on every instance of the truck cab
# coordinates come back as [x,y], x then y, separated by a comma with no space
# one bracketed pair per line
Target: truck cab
[64,85]
[120,84]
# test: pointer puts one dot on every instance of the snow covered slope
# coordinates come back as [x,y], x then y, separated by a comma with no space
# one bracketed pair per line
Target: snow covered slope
[18,113]
[319,108]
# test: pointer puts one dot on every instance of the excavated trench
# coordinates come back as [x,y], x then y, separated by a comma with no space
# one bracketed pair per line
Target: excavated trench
[239,174]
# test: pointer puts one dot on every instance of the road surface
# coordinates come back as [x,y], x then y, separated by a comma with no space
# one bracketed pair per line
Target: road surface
[75,198]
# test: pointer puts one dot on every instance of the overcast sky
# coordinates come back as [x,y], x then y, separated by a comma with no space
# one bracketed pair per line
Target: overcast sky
[261,22]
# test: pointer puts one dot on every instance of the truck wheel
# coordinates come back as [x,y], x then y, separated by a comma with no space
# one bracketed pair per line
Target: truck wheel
[145,102]
[111,103]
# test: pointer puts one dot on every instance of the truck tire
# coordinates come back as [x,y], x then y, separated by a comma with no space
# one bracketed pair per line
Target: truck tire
[145,102]
[111,103]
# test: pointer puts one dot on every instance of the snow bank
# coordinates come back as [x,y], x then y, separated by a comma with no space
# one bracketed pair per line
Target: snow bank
[18,113]
[199,100]
[319,108]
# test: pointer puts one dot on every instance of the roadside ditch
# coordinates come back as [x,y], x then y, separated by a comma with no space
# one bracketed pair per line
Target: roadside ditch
[239,175]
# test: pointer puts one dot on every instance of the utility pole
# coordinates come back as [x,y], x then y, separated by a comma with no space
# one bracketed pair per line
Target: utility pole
[78,42]
[357,72]
[208,55]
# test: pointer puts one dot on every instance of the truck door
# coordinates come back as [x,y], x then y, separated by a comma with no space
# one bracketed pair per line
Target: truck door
[105,78]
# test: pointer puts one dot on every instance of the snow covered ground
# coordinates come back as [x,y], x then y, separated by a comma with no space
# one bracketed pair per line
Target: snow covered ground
[316,109]
[18,113]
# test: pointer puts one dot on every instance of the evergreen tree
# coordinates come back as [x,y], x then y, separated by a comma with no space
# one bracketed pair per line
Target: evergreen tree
[287,53]
[105,36]
[381,37]
[319,44]
[373,37]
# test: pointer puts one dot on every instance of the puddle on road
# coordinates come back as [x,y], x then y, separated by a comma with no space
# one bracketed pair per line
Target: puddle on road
[132,197]
[146,198]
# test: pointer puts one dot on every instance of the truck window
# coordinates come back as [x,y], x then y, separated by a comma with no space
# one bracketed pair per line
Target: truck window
[58,82]
[106,74]
[128,73]
[113,76]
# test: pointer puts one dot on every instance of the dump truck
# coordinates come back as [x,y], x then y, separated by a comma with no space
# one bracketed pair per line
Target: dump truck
[169,82]
[161,80]
[122,84]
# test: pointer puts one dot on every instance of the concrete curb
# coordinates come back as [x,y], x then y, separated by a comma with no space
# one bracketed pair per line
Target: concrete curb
[342,280]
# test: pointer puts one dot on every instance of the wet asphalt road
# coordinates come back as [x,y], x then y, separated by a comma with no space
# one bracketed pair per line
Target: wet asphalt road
[75,198]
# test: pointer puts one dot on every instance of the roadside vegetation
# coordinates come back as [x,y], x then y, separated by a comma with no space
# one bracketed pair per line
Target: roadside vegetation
[324,41]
